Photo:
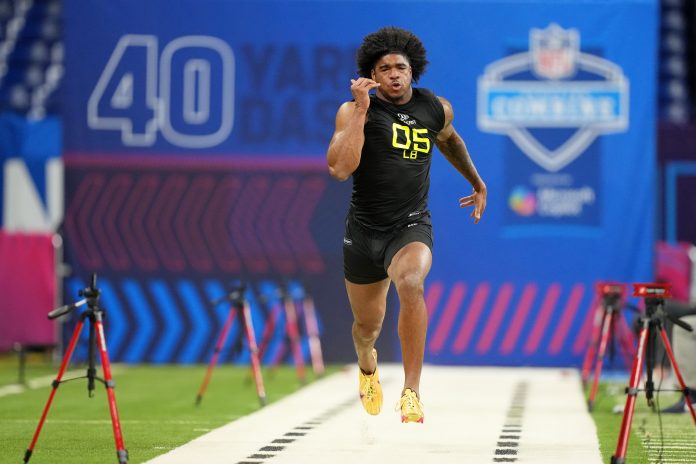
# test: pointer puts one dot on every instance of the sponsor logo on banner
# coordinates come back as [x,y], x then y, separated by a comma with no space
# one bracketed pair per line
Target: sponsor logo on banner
[553,101]
[550,201]
[523,201]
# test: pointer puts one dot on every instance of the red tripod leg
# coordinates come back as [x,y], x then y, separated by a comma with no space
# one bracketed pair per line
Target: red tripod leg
[607,323]
[294,335]
[280,351]
[677,372]
[631,392]
[254,353]
[268,330]
[594,340]
[313,333]
[56,382]
[121,451]
[216,353]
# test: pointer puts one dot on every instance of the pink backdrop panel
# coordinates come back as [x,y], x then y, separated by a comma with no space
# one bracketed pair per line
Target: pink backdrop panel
[674,266]
[28,289]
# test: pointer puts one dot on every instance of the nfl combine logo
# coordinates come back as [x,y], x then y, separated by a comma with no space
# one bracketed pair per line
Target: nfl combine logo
[577,92]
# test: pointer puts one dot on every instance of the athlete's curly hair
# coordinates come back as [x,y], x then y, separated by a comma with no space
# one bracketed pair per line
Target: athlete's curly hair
[387,40]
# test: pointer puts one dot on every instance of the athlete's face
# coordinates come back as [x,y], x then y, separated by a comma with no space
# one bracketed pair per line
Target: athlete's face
[393,73]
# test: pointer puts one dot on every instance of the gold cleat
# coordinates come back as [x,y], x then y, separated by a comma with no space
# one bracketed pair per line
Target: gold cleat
[411,407]
[371,389]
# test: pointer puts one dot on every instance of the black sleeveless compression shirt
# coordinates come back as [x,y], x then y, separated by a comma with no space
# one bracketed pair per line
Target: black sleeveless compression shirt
[391,183]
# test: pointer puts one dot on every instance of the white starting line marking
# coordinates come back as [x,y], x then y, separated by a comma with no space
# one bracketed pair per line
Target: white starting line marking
[472,415]
[47,380]
[12,389]
[38,382]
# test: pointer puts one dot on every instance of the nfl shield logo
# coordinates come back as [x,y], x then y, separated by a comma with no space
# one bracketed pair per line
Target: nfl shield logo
[554,51]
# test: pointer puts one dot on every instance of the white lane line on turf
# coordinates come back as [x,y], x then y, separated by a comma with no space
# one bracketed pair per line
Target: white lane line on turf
[47,380]
[108,421]
[669,446]
[12,389]
[656,448]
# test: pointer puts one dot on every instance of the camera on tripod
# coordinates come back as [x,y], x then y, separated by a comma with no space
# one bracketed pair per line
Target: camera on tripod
[612,292]
[92,291]
[611,289]
[652,290]
[652,329]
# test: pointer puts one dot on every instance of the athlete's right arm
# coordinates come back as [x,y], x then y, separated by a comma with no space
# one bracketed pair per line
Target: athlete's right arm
[343,155]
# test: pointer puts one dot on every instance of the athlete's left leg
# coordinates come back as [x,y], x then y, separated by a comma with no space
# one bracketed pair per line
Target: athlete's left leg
[408,270]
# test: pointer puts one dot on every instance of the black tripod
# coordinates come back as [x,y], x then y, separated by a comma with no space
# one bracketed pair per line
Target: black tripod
[652,323]
[94,314]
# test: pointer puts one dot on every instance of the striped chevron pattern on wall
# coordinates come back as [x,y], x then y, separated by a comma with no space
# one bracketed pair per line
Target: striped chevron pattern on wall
[506,323]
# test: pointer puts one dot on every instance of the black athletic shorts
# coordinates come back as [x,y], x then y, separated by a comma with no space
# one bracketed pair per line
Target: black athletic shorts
[368,253]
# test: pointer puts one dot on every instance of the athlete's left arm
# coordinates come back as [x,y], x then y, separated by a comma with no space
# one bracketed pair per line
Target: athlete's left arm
[453,147]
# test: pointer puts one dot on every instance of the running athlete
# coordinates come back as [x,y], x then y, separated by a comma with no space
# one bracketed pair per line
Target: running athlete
[385,141]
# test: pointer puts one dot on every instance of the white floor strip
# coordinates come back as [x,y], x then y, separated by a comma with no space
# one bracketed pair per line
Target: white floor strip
[12,389]
[472,415]
[47,380]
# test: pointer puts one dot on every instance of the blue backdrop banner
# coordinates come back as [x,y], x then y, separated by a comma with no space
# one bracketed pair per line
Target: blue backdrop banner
[196,131]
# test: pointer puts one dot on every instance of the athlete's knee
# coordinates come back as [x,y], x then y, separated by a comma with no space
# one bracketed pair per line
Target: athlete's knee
[410,283]
[366,331]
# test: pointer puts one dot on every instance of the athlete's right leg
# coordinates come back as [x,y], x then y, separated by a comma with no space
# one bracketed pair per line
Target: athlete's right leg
[369,304]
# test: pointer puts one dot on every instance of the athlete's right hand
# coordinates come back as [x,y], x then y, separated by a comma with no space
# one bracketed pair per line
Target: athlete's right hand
[360,88]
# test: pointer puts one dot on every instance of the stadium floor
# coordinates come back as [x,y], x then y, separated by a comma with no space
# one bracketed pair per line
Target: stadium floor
[472,415]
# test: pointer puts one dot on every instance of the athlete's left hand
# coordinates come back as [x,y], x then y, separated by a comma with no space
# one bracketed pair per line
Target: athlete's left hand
[478,199]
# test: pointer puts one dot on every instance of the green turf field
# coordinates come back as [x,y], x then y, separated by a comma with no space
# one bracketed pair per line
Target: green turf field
[156,405]
[665,438]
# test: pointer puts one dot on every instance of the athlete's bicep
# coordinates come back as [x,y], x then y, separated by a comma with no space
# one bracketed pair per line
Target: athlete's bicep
[343,155]
[447,129]
[343,115]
